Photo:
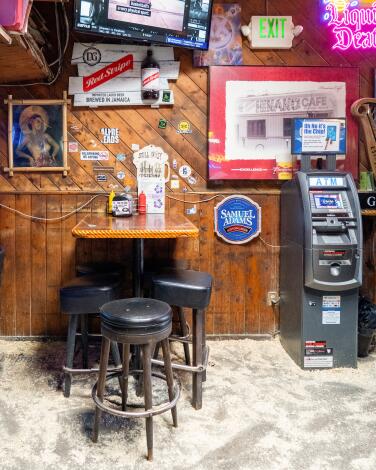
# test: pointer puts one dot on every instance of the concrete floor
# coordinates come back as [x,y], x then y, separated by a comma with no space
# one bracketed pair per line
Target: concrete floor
[260,412]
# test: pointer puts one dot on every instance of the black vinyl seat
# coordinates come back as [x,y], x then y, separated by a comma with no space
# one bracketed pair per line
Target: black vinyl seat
[79,298]
[140,322]
[136,316]
[185,288]
[105,267]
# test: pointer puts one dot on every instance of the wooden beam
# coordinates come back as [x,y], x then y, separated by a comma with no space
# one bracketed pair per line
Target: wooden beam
[4,36]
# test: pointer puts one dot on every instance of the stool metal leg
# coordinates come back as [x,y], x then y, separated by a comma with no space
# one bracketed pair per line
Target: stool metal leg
[115,353]
[169,378]
[184,332]
[85,341]
[126,353]
[203,342]
[146,350]
[197,336]
[105,351]
[71,342]
[156,350]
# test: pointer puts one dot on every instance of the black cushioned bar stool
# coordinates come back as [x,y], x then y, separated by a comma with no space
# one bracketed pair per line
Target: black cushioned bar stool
[105,267]
[188,289]
[79,298]
[142,322]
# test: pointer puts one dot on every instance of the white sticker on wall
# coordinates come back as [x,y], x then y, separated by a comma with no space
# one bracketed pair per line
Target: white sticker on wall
[192,180]
[175,184]
[191,210]
[185,171]
[95,155]
[121,175]
[72,147]
[110,135]
[135,147]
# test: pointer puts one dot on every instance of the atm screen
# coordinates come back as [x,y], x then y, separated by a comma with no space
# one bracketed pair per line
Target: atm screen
[328,201]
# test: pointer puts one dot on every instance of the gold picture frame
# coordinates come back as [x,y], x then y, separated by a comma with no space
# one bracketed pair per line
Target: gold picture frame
[37,135]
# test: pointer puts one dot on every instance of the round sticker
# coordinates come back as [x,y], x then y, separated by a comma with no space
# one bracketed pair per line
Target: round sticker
[121,175]
[237,219]
[185,171]
[192,180]
[92,56]
[184,127]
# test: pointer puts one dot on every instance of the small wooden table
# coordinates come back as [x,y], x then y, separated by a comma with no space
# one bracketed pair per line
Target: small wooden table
[138,227]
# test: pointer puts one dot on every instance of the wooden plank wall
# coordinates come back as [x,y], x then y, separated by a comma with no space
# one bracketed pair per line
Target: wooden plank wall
[40,256]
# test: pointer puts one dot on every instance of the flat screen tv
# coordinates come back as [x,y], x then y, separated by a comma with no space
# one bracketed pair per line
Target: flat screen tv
[184,23]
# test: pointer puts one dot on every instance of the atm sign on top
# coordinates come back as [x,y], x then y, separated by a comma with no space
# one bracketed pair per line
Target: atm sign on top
[326,181]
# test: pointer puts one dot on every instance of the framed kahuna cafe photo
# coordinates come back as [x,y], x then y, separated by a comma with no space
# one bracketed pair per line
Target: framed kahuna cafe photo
[37,135]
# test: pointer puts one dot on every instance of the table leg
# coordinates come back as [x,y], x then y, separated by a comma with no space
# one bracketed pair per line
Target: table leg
[138,271]
[138,266]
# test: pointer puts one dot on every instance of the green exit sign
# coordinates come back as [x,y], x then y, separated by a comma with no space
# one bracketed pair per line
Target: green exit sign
[272,32]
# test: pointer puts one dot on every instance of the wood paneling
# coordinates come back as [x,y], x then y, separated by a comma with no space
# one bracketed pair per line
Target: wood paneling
[40,257]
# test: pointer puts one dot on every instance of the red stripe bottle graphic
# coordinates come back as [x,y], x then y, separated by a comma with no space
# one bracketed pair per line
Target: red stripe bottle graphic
[150,75]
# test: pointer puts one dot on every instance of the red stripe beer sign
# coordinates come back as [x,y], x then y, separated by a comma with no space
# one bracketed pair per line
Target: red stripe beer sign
[237,219]
[107,73]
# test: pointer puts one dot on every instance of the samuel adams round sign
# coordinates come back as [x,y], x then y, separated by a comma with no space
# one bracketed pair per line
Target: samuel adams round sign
[237,219]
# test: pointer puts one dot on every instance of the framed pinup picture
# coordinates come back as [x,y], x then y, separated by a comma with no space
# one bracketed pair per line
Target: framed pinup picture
[37,135]
[252,110]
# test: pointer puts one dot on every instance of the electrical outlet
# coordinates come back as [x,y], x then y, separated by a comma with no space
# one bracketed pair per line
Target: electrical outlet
[273,298]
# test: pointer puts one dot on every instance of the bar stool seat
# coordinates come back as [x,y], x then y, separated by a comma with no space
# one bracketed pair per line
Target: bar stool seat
[80,297]
[185,288]
[142,322]
[105,267]
[137,316]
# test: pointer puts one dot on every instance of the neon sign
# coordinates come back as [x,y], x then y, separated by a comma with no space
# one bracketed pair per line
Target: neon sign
[353,27]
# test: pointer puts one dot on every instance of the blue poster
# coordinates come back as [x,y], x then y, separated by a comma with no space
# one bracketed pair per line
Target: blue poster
[237,219]
[319,136]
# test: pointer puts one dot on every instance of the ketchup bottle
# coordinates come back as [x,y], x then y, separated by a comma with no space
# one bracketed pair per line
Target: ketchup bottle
[150,73]
[142,203]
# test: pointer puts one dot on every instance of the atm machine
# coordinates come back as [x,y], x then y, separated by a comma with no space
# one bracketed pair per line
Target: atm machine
[320,267]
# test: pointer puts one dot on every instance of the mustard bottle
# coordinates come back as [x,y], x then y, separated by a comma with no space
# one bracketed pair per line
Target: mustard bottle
[110,199]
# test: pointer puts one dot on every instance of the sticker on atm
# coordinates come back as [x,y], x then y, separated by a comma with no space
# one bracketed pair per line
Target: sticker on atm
[317,355]
[331,316]
[331,301]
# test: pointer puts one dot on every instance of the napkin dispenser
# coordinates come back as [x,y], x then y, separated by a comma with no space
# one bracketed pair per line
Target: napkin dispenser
[152,164]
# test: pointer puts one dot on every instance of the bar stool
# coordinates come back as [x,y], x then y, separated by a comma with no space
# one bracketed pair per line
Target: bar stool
[142,322]
[185,288]
[105,267]
[79,298]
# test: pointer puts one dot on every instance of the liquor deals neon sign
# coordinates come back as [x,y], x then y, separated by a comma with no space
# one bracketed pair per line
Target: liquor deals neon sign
[353,27]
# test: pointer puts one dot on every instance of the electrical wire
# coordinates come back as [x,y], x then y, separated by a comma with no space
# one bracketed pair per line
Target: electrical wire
[52,219]
[65,216]
[66,35]
[59,60]
[195,202]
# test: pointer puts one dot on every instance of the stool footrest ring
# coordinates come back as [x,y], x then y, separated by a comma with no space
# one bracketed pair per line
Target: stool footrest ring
[195,369]
[137,414]
[94,370]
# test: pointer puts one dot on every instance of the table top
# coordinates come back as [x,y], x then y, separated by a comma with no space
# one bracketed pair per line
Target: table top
[137,226]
